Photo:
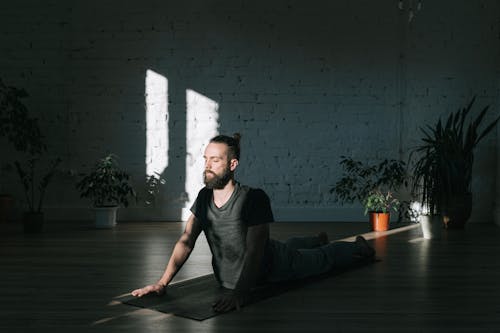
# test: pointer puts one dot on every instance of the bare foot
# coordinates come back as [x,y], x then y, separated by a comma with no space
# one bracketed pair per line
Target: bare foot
[365,250]
[323,238]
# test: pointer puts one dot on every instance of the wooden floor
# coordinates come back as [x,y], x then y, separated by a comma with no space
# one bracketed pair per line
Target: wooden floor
[66,279]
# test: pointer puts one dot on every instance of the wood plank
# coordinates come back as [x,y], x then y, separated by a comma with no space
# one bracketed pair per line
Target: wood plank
[67,278]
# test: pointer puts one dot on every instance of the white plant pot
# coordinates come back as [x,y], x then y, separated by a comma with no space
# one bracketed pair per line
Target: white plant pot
[105,217]
[432,226]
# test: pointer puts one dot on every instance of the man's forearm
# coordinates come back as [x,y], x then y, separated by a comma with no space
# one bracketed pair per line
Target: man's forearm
[179,256]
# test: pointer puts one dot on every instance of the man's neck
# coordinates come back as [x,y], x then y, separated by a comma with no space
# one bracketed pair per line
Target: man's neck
[221,196]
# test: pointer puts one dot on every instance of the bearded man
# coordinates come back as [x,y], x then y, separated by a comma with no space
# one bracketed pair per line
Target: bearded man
[235,219]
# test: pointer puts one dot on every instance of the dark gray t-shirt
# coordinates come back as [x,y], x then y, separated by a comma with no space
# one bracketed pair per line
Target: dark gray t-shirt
[226,227]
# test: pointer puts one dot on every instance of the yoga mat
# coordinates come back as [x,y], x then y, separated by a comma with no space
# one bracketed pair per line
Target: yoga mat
[193,298]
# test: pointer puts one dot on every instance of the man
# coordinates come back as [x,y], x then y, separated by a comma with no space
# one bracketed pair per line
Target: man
[235,220]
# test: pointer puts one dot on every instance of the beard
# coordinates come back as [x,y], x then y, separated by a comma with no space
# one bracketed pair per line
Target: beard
[217,182]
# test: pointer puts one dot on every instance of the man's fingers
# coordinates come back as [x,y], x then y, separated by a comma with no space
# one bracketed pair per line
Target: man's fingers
[143,291]
[226,304]
[157,288]
[219,304]
[137,293]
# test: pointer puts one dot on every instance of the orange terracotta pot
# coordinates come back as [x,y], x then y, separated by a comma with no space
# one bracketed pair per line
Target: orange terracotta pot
[379,221]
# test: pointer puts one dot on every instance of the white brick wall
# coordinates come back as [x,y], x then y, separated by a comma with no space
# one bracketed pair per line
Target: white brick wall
[303,82]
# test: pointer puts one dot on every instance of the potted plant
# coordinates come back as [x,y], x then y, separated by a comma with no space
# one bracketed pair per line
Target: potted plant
[378,204]
[20,130]
[443,172]
[363,182]
[34,189]
[108,187]
[425,187]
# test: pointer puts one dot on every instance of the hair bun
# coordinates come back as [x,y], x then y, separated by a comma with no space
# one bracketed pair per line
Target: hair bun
[237,137]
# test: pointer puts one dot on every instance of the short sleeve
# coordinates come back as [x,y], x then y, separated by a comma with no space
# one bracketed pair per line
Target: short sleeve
[199,207]
[258,208]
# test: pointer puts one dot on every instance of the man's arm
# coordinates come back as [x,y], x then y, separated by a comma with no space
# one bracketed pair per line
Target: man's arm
[181,252]
[256,240]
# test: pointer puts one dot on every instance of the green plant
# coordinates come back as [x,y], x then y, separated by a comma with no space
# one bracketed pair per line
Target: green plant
[360,179]
[15,123]
[21,130]
[32,187]
[426,181]
[106,184]
[443,170]
[381,202]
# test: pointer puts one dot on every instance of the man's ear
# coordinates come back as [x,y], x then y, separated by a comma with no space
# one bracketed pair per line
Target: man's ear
[234,163]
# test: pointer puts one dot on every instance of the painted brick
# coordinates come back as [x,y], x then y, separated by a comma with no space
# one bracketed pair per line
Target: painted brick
[303,83]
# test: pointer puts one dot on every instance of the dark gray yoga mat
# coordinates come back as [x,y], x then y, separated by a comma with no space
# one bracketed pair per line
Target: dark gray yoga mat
[190,298]
[194,298]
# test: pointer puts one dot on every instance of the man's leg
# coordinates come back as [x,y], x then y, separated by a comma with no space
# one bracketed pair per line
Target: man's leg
[290,263]
[296,243]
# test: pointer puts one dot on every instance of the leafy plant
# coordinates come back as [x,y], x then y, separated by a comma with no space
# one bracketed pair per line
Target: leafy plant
[106,184]
[32,187]
[446,156]
[361,179]
[381,202]
[21,130]
[16,124]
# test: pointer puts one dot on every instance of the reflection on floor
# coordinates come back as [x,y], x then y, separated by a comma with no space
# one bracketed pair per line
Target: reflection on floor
[67,278]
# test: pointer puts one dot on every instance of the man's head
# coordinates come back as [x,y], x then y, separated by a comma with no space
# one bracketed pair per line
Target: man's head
[232,143]
[221,159]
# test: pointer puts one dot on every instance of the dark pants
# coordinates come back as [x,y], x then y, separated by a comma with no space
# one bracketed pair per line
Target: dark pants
[302,257]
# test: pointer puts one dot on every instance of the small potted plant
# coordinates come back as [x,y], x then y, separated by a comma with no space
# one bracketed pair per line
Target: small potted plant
[34,190]
[378,204]
[362,182]
[108,187]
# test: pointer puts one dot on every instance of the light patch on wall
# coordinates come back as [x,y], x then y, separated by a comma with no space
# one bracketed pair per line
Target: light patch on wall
[156,123]
[202,123]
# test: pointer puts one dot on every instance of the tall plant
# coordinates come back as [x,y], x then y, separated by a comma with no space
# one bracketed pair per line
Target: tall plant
[34,186]
[443,169]
[21,130]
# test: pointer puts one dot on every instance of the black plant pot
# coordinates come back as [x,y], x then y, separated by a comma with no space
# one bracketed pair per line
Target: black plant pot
[33,222]
[6,202]
[458,211]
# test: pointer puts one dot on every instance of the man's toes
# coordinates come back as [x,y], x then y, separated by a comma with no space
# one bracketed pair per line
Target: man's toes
[365,249]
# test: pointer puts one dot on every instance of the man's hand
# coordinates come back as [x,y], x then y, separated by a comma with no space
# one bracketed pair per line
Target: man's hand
[228,302]
[158,288]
